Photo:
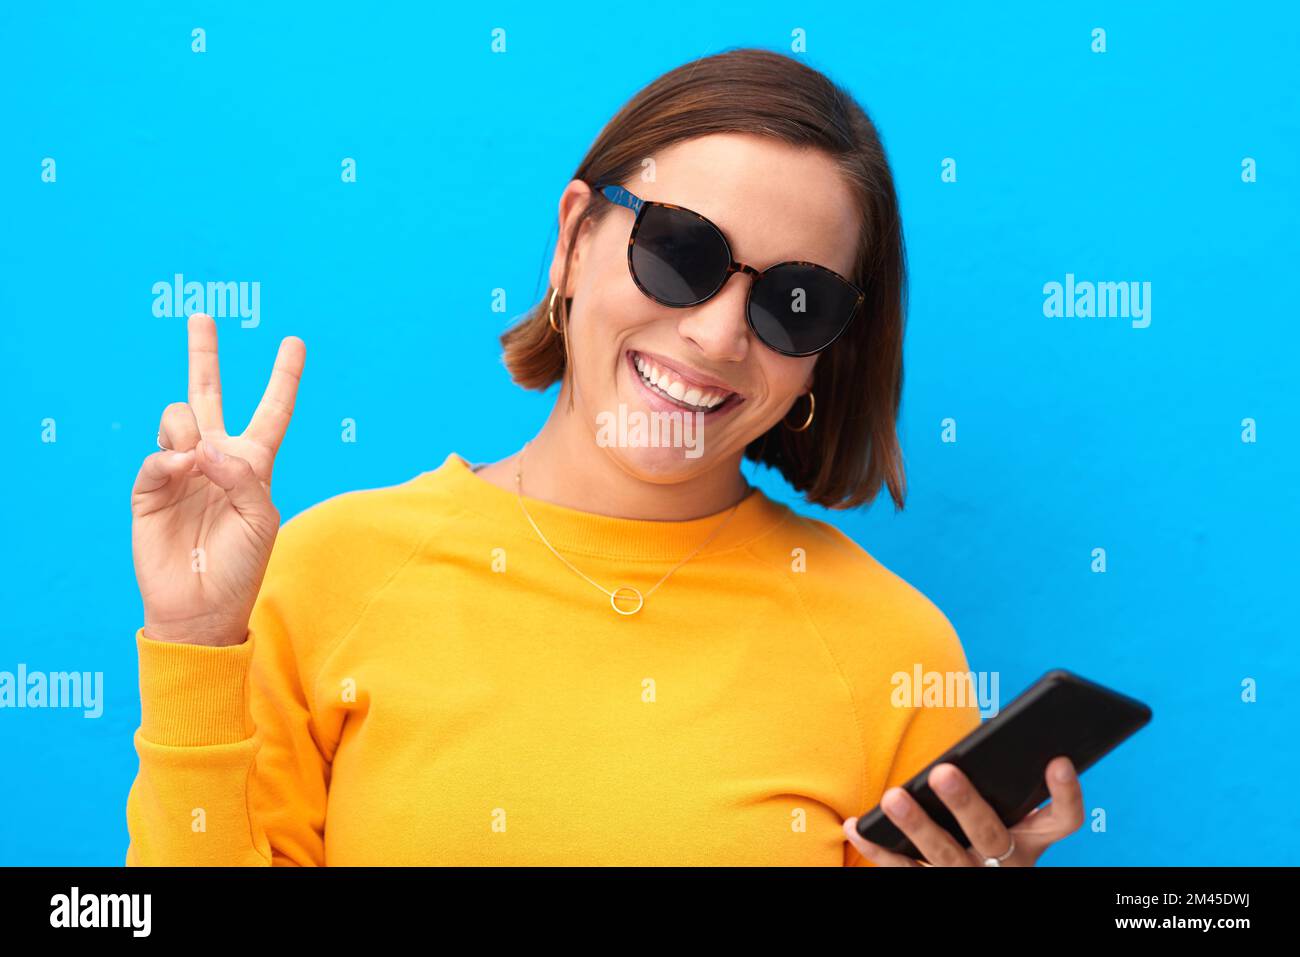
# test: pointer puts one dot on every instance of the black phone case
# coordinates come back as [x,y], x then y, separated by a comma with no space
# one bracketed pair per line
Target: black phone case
[1006,757]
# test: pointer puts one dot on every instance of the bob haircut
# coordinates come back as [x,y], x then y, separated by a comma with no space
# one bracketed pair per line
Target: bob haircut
[851,448]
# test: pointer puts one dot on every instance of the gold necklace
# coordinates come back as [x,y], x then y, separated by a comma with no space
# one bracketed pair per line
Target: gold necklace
[629,593]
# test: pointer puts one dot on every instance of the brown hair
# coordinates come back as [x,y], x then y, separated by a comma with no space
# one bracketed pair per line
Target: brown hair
[851,448]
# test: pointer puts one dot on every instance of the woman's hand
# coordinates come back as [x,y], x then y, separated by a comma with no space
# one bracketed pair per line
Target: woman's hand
[202,520]
[1060,817]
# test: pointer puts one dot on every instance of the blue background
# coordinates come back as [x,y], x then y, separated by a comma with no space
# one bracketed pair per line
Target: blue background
[1072,433]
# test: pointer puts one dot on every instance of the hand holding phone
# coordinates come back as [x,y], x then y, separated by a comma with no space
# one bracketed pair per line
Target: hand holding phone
[1005,761]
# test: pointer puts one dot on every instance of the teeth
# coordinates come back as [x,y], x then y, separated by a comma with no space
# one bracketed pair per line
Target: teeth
[665,382]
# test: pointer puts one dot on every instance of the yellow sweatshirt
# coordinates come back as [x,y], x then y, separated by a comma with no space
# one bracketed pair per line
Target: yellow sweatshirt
[423,682]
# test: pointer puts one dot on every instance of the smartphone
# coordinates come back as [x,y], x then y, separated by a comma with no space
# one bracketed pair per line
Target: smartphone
[1006,757]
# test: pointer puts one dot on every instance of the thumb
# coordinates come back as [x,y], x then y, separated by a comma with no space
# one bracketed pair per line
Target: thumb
[241,485]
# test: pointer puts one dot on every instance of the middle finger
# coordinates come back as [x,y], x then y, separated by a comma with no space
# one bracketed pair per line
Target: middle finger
[989,837]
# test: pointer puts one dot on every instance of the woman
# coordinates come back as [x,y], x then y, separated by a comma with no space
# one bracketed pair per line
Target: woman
[607,647]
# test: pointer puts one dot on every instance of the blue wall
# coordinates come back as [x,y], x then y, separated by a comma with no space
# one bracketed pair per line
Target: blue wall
[1072,433]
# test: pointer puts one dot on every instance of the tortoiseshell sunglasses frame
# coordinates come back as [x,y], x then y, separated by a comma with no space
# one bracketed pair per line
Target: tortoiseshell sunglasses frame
[621,196]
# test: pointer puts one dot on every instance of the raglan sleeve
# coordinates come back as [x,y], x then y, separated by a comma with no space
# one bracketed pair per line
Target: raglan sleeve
[929,730]
[230,769]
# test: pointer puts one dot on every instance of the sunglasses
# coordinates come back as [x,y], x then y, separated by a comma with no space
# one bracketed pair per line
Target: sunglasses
[679,258]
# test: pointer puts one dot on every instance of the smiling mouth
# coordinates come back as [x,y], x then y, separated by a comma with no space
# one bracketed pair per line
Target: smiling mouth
[707,400]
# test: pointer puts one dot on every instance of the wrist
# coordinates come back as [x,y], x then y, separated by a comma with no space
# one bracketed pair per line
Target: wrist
[212,636]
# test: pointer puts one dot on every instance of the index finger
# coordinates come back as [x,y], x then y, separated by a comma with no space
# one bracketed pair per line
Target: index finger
[205,377]
[271,418]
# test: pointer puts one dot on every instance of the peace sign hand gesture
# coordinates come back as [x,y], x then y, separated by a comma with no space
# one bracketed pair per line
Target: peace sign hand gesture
[202,519]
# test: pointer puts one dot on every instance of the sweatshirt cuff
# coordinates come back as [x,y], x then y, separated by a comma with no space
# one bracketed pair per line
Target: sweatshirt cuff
[194,695]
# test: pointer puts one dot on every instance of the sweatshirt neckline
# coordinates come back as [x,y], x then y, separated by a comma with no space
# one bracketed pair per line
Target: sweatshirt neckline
[573,531]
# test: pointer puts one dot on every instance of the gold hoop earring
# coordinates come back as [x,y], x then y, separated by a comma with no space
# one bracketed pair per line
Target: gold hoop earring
[551,311]
[812,407]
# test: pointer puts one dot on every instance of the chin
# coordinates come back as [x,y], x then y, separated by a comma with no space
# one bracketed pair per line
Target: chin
[663,466]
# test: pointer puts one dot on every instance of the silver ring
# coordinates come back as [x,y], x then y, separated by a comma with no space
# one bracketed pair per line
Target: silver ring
[997,861]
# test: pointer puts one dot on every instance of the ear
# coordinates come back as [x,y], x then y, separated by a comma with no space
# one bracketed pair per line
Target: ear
[573,201]
[812,371]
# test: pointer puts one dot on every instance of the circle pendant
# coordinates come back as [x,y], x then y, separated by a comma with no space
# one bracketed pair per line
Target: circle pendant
[630,593]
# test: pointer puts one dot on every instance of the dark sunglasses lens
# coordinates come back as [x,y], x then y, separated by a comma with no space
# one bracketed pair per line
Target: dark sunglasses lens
[799,310]
[677,257]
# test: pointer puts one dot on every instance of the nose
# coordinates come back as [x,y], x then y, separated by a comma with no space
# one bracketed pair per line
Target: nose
[718,326]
